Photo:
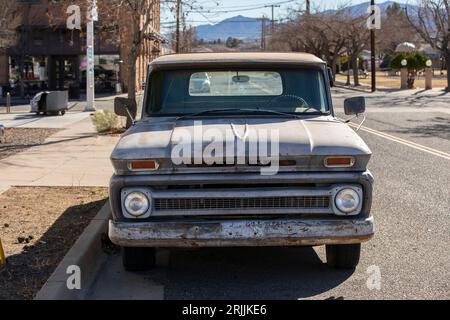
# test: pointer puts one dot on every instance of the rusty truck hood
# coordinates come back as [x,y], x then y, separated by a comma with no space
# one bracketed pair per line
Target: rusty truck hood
[315,136]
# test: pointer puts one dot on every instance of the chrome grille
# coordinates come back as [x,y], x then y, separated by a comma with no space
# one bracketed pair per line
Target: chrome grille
[301,202]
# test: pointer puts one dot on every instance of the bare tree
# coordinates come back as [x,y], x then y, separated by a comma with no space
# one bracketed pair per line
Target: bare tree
[9,21]
[432,23]
[187,39]
[128,23]
[322,34]
[135,19]
[334,37]
[395,29]
[357,39]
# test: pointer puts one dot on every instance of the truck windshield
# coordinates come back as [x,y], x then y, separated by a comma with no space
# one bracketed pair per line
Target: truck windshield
[184,92]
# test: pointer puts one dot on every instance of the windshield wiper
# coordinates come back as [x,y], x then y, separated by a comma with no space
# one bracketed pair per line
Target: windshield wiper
[288,114]
[206,112]
[280,113]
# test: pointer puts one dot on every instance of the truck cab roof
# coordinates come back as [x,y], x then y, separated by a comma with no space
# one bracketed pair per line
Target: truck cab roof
[237,58]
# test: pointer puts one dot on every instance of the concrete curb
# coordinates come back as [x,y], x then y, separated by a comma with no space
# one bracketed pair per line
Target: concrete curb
[360,89]
[4,189]
[366,89]
[87,254]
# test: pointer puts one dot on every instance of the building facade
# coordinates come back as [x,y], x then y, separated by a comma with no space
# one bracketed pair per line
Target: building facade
[47,56]
[150,47]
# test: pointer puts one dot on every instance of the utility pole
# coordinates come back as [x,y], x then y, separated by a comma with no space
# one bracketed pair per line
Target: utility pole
[348,67]
[177,32]
[90,80]
[263,33]
[372,50]
[273,6]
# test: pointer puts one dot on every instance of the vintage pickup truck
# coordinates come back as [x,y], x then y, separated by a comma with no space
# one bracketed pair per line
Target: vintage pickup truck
[240,149]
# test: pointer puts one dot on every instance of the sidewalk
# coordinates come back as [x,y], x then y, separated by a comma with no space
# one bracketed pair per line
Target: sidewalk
[21,119]
[381,89]
[76,156]
[361,87]
[26,101]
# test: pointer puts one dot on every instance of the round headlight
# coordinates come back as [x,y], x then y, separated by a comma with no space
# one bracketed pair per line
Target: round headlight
[347,200]
[136,203]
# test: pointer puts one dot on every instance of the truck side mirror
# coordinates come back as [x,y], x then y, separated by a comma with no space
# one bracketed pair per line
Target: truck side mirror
[126,108]
[331,77]
[355,105]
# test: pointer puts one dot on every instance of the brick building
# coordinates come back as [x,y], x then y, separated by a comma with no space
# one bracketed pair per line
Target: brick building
[46,55]
[150,48]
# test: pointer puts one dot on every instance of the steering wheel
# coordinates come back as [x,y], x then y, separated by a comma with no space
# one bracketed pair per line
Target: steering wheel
[290,96]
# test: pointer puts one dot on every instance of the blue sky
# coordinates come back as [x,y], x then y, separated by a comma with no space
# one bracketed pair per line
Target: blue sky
[217,10]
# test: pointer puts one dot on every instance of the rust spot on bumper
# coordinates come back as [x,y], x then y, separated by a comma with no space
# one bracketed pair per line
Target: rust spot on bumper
[241,233]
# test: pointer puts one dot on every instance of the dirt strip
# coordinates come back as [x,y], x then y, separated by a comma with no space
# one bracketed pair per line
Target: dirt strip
[38,225]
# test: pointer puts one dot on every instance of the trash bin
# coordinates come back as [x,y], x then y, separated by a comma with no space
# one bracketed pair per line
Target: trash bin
[38,103]
[50,102]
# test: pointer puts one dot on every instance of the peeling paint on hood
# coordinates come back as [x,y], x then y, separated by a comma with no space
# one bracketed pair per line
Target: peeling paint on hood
[323,135]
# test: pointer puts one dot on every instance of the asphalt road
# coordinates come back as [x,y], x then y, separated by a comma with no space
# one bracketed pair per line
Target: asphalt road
[410,248]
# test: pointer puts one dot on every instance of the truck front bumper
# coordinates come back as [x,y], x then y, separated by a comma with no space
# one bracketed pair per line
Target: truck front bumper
[230,233]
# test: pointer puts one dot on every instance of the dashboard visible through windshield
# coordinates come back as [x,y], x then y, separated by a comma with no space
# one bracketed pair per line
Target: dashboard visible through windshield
[185,92]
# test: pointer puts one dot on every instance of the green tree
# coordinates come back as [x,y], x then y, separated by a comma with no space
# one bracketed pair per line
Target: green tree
[416,61]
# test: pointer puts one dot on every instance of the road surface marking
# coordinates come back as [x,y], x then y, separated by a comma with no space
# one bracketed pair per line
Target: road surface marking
[404,142]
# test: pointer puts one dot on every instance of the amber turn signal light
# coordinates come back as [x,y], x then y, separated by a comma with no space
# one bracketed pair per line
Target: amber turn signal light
[143,165]
[339,162]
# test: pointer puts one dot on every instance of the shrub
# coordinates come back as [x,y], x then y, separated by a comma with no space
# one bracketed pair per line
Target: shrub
[416,62]
[106,121]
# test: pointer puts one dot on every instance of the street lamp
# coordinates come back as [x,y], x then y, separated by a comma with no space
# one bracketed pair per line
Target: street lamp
[92,16]
[428,75]
[404,74]
[372,48]
[118,86]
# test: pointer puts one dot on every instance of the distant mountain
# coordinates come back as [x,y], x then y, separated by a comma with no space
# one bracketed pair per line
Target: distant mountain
[361,9]
[238,27]
[250,28]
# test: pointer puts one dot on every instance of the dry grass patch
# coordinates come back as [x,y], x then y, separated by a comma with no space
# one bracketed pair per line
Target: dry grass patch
[38,225]
[19,139]
[384,80]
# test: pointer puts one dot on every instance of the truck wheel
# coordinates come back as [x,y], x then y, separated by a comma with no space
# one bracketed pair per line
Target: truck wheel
[343,256]
[138,259]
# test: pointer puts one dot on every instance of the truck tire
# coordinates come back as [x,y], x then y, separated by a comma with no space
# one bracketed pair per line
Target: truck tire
[138,259]
[343,256]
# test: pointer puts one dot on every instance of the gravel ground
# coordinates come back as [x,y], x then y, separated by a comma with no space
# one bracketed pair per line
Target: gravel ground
[36,235]
[19,139]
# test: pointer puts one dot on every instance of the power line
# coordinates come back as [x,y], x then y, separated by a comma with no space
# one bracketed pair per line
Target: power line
[248,9]
[195,8]
[273,6]
[205,21]
[252,5]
